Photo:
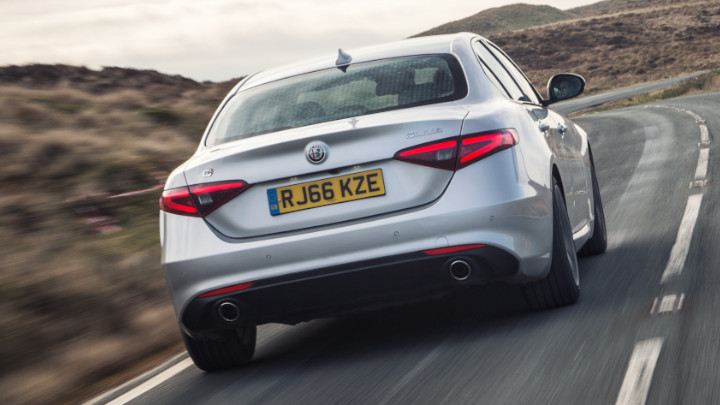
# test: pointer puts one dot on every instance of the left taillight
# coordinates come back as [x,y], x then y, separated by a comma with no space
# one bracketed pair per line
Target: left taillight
[201,199]
[454,154]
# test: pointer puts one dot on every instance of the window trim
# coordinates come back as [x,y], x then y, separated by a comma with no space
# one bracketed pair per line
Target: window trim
[522,74]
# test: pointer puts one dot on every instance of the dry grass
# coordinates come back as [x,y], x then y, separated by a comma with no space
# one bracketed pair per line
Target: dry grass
[78,304]
[623,48]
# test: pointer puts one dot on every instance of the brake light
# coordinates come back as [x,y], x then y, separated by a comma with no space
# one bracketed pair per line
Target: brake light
[448,154]
[201,199]
[438,154]
[479,146]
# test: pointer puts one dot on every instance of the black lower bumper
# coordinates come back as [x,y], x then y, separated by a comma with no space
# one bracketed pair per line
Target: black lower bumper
[352,287]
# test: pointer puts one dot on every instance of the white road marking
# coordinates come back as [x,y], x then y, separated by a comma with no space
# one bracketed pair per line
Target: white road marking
[701,170]
[636,383]
[704,134]
[669,303]
[680,249]
[151,383]
[702,166]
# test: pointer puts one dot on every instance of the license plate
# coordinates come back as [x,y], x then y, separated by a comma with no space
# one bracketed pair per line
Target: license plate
[319,193]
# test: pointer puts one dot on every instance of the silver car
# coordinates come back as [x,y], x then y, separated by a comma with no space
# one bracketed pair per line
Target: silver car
[380,176]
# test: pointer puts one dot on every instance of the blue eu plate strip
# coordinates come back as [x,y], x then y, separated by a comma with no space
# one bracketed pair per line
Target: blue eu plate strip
[273,202]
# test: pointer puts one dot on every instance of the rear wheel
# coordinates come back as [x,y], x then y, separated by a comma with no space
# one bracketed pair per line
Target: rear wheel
[562,284]
[598,242]
[232,349]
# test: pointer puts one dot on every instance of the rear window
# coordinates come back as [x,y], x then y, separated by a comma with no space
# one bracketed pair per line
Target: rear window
[333,94]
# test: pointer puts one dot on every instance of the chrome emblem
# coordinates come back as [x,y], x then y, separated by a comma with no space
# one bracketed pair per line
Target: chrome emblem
[208,173]
[316,152]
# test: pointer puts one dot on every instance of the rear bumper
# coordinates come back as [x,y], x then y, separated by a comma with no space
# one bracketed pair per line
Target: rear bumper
[348,288]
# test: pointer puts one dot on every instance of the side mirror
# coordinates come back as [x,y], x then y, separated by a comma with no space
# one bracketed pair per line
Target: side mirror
[564,86]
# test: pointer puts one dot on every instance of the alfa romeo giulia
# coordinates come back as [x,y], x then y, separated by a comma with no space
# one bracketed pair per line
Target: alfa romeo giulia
[375,177]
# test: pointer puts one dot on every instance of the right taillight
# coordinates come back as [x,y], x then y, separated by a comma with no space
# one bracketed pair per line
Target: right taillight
[450,154]
[201,199]
[479,146]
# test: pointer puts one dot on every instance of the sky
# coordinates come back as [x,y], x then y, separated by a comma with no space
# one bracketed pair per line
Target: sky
[215,40]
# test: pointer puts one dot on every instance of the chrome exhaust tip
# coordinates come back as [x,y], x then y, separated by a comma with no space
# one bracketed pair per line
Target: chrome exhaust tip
[228,311]
[460,270]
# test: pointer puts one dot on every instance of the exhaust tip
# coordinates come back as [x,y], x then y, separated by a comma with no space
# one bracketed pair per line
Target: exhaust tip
[228,311]
[460,270]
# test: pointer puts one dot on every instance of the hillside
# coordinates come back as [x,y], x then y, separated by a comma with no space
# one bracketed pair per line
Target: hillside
[502,19]
[607,6]
[93,81]
[615,50]
[605,42]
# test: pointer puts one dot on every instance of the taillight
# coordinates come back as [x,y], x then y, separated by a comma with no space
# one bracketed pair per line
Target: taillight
[448,154]
[479,146]
[201,199]
[437,154]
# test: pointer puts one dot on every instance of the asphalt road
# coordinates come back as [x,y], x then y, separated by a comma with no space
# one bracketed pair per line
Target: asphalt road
[634,337]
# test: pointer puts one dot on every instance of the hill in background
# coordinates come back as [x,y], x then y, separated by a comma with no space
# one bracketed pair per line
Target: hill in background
[621,48]
[502,19]
[613,43]
[520,16]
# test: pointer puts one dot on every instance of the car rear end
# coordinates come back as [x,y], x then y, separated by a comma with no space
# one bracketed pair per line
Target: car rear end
[346,189]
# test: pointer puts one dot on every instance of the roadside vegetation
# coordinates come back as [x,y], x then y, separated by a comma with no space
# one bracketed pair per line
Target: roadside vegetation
[83,293]
[701,84]
[84,301]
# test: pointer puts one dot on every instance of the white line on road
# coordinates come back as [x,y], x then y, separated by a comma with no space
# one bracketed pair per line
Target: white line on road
[151,383]
[702,166]
[636,383]
[704,135]
[669,303]
[680,249]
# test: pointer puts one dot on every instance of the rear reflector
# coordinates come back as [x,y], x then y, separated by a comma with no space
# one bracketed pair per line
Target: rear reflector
[450,155]
[201,199]
[451,249]
[226,290]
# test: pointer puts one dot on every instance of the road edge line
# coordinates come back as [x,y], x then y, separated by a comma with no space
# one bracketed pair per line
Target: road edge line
[117,392]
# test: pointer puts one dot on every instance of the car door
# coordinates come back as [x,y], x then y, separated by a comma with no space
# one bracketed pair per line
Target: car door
[559,133]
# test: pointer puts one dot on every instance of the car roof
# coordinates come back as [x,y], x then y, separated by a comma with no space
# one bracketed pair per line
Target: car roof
[435,44]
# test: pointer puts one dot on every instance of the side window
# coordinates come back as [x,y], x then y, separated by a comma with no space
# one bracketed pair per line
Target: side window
[520,78]
[496,68]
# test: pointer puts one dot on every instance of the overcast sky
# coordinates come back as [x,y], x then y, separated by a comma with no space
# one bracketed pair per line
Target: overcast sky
[215,39]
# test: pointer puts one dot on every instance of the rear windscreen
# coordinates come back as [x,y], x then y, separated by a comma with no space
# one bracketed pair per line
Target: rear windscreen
[333,94]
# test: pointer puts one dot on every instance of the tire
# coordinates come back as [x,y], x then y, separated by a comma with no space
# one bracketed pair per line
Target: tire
[231,350]
[562,284]
[598,242]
